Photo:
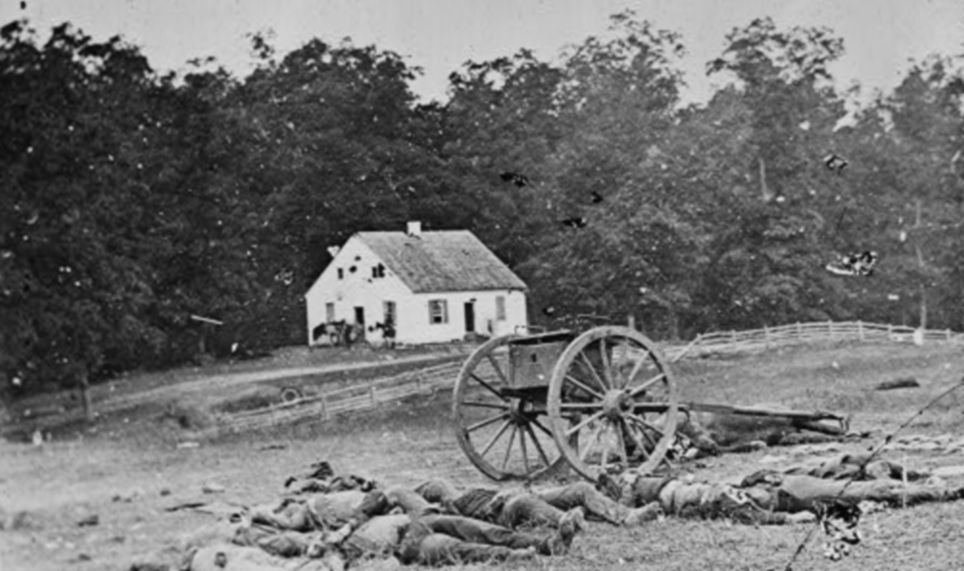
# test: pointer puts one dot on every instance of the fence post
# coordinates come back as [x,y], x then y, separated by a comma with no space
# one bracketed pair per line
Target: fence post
[371,392]
[418,383]
[890,331]
[860,329]
[830,328]
[947,334]
[631,321]
[324,407]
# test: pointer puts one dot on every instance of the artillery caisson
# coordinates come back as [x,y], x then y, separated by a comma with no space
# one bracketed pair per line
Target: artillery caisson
[601,401]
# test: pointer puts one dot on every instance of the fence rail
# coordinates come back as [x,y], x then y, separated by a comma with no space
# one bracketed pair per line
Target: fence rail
[723,342]
[373,394]
[363,396]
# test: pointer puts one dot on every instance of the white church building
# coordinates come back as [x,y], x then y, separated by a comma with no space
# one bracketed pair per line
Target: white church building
[433,287]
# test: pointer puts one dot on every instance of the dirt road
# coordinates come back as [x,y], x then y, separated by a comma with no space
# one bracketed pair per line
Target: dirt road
[105,402]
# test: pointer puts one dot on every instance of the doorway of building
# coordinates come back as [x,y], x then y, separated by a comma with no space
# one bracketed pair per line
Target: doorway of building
[360,322]
[469,317]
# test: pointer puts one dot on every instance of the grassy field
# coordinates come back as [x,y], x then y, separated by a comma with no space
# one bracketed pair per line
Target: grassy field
[221,387]
[62,482]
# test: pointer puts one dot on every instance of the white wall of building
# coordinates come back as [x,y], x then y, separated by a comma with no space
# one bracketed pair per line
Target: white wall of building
[353,289]
[416,311]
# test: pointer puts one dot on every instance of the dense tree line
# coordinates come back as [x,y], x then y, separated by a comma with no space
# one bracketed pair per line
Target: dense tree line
[132,200]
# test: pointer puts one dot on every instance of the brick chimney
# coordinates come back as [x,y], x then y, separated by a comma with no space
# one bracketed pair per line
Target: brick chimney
[414,229]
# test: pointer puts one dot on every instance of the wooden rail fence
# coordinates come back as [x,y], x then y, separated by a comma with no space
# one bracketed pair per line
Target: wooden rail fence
[427,381]
[323,407]
[724,342]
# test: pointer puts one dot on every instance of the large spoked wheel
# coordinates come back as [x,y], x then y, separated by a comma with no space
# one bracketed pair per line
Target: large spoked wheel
[499,428]
[612,403]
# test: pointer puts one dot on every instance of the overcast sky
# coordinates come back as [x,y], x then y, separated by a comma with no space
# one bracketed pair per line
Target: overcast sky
[881,36]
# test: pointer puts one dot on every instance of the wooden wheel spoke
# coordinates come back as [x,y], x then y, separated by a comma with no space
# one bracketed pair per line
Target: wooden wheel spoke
[648,438]
[583,386]
[477,404]
[593,439]
[488,446]
[525,453]
[635,371]
[537,424]
[621,445]
[646,384]
[592,371]
[604,458]
[606,360]
[617,367]
[646,425]
[498,369]
[535,440]
[484,423]
[508,449]
[638,434]
[490,388]
[579,426]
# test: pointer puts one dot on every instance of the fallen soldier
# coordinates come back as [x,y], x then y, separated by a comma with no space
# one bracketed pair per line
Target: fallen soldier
[850,479]
[426,540]
[771,497]
[352,526]
[516,507]
[857,467]
[320,478]
[450,540]
[712,433]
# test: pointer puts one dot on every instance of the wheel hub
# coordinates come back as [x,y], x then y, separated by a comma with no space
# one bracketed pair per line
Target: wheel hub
[614,403]
[518,414]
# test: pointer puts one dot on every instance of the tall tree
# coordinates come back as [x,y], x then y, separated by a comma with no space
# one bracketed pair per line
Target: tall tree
[768,266]
[74,292]
[617,100]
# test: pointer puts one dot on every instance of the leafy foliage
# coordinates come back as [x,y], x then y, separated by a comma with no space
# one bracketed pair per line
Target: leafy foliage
[132,201]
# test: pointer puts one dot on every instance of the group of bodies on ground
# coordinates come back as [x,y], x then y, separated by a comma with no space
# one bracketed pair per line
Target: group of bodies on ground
[326,521]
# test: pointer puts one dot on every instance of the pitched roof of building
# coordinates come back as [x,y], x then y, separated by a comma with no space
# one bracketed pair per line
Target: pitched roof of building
[448,260]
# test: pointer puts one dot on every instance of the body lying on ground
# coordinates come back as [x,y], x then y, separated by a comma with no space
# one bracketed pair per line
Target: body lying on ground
[793,495]
[357,525]
[519,507]
[710,433]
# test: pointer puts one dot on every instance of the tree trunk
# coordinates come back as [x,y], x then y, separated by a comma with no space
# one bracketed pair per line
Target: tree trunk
[764,189]
[920,265]
[960,216]
[85,397]
[672,322]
